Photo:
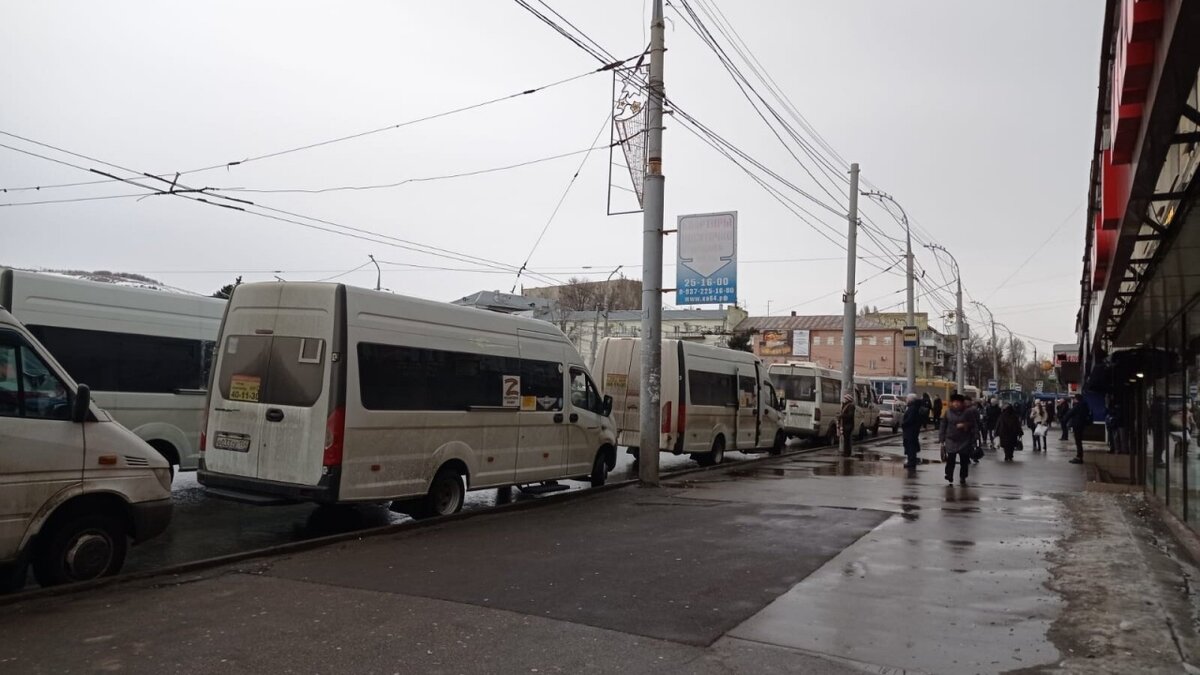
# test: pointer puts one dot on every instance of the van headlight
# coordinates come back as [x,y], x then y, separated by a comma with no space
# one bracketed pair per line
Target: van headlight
[164,477]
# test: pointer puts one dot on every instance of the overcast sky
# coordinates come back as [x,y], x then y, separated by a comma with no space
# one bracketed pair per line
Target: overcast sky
[978,117]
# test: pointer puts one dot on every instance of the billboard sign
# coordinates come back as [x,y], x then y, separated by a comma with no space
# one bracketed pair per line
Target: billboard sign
[706,259]
[775,343]
[800,343]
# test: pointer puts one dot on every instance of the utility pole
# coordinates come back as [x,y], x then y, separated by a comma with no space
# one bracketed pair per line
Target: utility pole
[995,346]
[959,374]
[652,261]
[1012,354]
[596,319]
[911,378]
[378,274]
[849,309]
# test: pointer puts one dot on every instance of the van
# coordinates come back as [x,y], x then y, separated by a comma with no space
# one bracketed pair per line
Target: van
[143,352]
[326,393]
[811,400]
[713,399]
[75,486]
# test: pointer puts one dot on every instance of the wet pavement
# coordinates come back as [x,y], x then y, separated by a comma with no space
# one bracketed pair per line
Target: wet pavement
[808,563]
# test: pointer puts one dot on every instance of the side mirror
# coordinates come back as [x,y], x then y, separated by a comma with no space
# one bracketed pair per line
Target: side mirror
[82,405]
[608,404]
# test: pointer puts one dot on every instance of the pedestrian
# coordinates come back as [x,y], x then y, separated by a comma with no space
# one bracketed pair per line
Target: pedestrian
[846,419]
[991,419]
[927,406]
[1008,428]
[1113,423]
[1039,420]
[959,432]
[1078,417]
[915,417]
[1063,409]
[937,412]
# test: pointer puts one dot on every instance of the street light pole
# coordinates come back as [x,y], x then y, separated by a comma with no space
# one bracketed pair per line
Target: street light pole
[596,319]
[378,273]
[848,309]
[652,261]
[960,376]
[1012,354]
[995,357]
[911,378]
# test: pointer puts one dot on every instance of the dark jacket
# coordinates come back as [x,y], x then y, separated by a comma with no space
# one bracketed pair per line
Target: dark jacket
[959,439]
[1009,428]
[937,408]
[915,415]
[991,415]
[1079,416]
[846,417]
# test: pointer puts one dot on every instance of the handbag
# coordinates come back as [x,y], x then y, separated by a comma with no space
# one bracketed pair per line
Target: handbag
[945,455]
[1041,430]
[977,452]
[1020,445]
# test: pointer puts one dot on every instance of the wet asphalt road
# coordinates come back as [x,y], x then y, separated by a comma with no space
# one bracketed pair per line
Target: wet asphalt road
[205,527]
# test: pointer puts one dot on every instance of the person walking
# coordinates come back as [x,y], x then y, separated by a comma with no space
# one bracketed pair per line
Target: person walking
[846,419]
[1078,417]
[1113,423]
[1061,411]
[915,418]
[991,419]
[927,406]
[1009,429]
[958,435]
[1040,421]
[937,412]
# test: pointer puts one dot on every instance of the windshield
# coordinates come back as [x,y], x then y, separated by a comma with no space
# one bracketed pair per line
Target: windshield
[795,387]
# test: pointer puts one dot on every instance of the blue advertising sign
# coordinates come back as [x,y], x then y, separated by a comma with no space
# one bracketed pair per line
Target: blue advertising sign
[706,259]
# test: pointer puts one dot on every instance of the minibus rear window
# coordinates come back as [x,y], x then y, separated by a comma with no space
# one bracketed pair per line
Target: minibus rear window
[274,370]
[796,387]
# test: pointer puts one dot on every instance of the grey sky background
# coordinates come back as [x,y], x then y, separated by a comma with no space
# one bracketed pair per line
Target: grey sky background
[977,116]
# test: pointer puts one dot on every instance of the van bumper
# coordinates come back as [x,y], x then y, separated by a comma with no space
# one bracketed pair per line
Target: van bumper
[150,518]
[267,492]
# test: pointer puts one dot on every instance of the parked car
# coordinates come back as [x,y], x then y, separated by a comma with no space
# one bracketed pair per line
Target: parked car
[891,413]
[77,486]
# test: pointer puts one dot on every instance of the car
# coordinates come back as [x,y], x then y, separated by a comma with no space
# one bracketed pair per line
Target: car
[890,414]
[77,485]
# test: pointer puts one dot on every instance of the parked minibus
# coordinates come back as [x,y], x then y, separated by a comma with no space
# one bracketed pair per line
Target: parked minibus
[328,393]
[144,352]
[811,398]
[75,486]
[713,399]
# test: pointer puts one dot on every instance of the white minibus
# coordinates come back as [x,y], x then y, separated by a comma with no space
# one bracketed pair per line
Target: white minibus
[811,399]
[327,393]
[144,352]
[75,486]
[713,399]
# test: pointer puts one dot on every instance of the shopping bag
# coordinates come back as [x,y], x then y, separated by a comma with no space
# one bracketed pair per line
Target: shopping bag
[977,452]
[945,456]
[1041,430]
[1020,445]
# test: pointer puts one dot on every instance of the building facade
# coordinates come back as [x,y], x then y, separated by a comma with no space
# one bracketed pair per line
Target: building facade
[878,352]
[708,326]
[1139,316]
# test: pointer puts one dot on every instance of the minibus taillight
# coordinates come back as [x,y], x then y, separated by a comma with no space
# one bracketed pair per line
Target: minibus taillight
[666,418]
[682,416]
[335,431]
[817,414]
[203,439]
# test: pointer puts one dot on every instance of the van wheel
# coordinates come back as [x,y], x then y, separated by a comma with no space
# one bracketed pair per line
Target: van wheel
[780,441]
[716,456]
[832,438]
[875,429]
[446,495]
[83,548]
[12,576]
[599,475]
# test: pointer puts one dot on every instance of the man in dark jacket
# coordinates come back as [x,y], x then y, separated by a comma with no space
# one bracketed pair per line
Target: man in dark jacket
[1078,417]
[926,405]
[959,431]
[991,412]
[915,417]
[1062,409]
[846,422]
[1009,430]
[937,412]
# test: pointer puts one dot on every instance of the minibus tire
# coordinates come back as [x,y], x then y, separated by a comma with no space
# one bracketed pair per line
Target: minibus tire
[599,475]
[832,439]
[94,536]
[875,429]
[716,456]
[781,440]
[447,487]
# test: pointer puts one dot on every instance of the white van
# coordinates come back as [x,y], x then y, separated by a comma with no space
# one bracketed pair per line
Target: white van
[328,393]
[144,352]
[811,399]
[75,486]
[713,399]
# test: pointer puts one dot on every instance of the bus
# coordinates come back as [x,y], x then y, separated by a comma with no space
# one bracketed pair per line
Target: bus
[811,399]
[145,353]
[713,399]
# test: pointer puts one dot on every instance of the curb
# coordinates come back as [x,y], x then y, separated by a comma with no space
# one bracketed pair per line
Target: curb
[411,525]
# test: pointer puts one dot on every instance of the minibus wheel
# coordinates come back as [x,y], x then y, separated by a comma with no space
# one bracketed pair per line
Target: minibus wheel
[80,549]
[716,456]
[780,442]
[832,439]
[445,497]
[599,475]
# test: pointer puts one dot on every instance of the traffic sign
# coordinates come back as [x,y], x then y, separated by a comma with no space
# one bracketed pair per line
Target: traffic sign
[706,259]
[993,386]
[1017,387]
[910,336]
[1039,386]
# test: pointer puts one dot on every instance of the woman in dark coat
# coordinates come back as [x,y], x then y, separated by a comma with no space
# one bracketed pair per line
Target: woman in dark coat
[1009,429]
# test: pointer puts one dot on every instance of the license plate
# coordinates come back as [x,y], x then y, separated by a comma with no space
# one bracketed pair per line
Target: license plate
[226,440]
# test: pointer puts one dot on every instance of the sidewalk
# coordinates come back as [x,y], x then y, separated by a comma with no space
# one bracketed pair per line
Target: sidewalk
[806,564]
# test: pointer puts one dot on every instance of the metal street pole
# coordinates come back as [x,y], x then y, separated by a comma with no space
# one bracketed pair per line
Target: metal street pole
[849,309]
[378,273]
[911,378]
[596,319]
[1012,354]
[652,261]
[995,357]
[959,374]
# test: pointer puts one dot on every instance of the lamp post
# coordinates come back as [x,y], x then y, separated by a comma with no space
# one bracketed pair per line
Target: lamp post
[596,319]
[960,376]
[911,379]
[995,357]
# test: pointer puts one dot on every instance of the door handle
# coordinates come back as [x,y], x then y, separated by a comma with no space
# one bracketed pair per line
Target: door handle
[274,415]
[558,418]
[574,417]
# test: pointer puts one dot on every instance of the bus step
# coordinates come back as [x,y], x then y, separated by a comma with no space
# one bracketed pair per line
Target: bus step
[544,488]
